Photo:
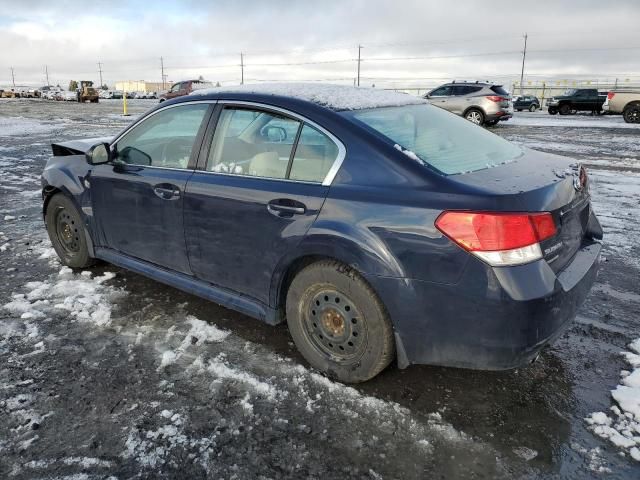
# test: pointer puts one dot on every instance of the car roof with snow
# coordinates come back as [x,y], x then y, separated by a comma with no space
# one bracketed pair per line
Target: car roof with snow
[333,97]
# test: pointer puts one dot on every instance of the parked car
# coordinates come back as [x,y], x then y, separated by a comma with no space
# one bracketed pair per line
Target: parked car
[152,95]
[69,96]
[185,88]
[575,100]
[379,226]
[480,103]
[626,102]
[526,102]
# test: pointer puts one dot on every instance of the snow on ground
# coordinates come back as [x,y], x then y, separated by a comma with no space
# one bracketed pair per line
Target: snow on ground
[337,97]
[81,295]
[10,126]
[543,119]
[622,426]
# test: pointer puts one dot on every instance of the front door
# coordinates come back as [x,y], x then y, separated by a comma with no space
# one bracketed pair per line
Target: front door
[257,192]
[138,198]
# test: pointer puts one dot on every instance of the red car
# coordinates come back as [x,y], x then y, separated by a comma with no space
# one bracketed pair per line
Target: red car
[185,88]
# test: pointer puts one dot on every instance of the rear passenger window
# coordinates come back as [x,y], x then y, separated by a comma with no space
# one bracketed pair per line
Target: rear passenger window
[263,144]
[252,142]
[315,154]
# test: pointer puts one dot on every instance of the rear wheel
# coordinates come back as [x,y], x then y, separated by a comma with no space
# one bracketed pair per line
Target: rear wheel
[532,108]
[475,116]
[631,113]
[552,111]
[338,323]
[66,231]
[565,109]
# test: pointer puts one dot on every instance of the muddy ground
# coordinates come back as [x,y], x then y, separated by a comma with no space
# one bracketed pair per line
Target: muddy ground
[107,374]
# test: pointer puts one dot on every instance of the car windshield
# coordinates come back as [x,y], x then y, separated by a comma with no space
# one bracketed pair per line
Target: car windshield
[444,141]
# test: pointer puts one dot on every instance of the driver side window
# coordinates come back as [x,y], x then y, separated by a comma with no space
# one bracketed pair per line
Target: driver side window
[165,139]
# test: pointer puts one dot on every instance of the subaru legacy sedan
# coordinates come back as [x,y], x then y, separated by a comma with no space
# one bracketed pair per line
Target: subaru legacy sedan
[378,226]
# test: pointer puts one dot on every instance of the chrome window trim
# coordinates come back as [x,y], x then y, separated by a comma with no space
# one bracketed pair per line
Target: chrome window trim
[337,163]
[328,179]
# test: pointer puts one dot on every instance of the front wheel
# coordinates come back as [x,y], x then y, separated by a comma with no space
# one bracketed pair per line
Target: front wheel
[66,232]
[552,111]
[532,108]
[338,323]
[631,114]
[565,109]
[475,116]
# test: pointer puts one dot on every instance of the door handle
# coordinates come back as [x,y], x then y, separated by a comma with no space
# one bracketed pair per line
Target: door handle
[167,192]
[286,208]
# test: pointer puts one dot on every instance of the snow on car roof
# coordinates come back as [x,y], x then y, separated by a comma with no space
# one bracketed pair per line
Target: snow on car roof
[335,97]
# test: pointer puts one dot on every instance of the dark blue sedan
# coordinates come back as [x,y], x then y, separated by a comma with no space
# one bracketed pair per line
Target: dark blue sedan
[378,226]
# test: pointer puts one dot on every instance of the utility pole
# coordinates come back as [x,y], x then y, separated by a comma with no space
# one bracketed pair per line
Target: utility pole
[100,70]
[162,71]
[358,81]
[241,69]
[46,73]
[524,54]
[13,78]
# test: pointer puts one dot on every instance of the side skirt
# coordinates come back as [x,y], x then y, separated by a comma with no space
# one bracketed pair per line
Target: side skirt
[192,285]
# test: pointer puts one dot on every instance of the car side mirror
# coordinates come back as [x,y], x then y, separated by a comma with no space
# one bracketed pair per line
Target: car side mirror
[99,154]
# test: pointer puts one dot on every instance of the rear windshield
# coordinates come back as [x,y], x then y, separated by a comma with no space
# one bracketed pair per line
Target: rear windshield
[499,90]
[444,141]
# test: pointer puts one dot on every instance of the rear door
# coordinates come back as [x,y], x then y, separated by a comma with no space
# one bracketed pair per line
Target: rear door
[138,199]
[259,186]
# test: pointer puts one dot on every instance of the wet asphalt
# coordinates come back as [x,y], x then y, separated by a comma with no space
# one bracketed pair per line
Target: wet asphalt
[78,398]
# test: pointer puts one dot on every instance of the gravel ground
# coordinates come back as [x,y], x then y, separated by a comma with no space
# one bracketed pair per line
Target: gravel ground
[107,374]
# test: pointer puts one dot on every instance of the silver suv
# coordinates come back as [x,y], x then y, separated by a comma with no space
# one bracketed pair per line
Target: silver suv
[480,103]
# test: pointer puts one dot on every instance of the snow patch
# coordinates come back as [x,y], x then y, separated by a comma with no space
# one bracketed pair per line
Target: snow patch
[336,97]
[622,427]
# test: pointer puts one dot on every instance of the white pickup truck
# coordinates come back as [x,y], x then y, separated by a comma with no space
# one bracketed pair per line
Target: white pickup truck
[626,102]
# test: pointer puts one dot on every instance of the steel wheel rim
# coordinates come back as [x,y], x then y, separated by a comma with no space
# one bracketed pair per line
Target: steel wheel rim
[334,325]
[67,232]
[474,117]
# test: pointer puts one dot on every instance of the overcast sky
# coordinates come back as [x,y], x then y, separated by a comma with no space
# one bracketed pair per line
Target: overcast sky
[589,39]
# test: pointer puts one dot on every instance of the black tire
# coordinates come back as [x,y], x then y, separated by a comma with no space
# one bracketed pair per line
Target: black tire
[475,115]
[519,109]
[491,123]
[565,109]
[532,108]
[553,111]
[338,323]
[67,233]
[631,113]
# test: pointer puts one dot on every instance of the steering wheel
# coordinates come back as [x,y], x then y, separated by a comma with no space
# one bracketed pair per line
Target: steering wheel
[175,153]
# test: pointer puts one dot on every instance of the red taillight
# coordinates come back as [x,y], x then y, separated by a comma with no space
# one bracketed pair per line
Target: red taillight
[610,95]
[496,98]
[484,232]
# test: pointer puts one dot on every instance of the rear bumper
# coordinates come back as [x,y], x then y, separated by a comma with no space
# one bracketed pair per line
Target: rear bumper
[501,115]
[493,319]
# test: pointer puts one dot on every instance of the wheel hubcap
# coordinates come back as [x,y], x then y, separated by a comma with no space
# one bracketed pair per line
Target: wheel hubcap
[473,117]
[334,325]
[67,232]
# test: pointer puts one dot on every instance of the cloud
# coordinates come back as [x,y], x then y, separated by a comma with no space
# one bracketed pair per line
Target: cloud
[200,38]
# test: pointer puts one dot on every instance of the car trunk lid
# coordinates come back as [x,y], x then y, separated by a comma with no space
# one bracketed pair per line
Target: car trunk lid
[540,182]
